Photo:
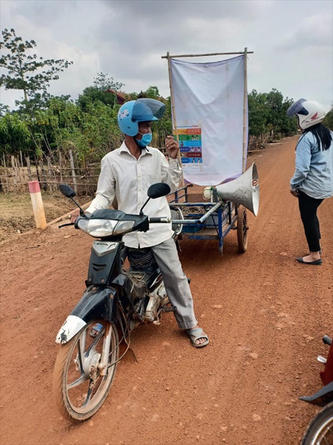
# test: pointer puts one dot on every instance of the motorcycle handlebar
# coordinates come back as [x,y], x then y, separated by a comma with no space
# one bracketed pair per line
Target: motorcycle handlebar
[67,224]
[159,219]
[153,219]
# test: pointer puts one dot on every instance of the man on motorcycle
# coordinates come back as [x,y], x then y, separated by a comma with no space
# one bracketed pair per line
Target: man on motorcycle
[126,174]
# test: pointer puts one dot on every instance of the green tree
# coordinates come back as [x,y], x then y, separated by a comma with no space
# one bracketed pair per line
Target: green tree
[104,82]
[91,95]
[152,92]
[15,135]
[4,109]
[258,114]
[101,91]
[267,115]
[25,71]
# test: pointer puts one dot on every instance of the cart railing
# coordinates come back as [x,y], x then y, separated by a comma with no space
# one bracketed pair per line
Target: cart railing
[178,193]
[208,220]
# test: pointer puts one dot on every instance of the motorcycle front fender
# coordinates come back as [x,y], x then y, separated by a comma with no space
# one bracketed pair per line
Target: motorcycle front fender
[71,327]
[322,397]
[94,305]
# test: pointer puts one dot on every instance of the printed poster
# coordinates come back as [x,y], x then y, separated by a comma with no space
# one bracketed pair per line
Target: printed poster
[189,140]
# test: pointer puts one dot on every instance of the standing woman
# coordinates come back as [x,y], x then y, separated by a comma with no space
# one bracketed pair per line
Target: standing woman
[313,178]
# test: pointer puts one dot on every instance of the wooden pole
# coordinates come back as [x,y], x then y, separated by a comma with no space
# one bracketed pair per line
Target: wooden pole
[43,174]
[37,169]
[27,160]
[5,172]
[37,204]
[20,170]
[245,130]
[71,159]
[173,114]
[12,158]
[204,55]
[50,173]
[60,163]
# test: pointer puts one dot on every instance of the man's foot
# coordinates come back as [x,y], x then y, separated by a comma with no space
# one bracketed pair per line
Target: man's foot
[198,337]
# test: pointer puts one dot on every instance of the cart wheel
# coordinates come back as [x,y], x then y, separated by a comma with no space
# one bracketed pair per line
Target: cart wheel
[242,229]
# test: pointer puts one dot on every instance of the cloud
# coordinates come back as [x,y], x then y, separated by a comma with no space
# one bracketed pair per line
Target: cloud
[169,12]
[126,39]
[314,31]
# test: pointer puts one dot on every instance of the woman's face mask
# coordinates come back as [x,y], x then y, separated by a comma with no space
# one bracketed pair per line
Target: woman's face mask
[145,139]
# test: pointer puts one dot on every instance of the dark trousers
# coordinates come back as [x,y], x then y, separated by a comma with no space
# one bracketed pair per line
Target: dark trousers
[308,208]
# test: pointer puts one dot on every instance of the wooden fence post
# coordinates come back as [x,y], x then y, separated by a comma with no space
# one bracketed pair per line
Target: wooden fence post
[27,160]
[12,159]
[43,175]
[71,159]
[60,163]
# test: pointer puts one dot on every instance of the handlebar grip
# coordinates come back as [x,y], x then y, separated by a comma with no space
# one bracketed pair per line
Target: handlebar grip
[159,219]
[67,224]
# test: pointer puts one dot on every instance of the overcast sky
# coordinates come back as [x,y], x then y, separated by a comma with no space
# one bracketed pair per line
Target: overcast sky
[292,40]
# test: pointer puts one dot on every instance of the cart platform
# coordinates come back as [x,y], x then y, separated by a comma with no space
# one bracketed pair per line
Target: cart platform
[207,220]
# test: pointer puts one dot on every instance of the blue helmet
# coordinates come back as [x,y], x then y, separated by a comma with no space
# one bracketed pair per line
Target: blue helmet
[140,110]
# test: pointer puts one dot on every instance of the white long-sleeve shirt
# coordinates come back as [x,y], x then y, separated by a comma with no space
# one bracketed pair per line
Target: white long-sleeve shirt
[127,179]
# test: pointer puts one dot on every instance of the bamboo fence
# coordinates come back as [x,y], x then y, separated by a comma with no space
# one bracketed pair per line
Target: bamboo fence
[50,171]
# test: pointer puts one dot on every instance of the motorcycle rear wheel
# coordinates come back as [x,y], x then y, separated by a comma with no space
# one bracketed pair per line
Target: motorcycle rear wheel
[320,430]
[78,386]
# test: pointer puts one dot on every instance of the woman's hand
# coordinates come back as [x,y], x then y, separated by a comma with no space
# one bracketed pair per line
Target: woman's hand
[294,192]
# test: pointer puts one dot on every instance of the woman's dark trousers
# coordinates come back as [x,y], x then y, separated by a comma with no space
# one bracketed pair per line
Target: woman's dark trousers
[308,208]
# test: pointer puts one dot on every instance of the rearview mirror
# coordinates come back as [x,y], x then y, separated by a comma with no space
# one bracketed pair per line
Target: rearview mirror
[67,190]
[157,190]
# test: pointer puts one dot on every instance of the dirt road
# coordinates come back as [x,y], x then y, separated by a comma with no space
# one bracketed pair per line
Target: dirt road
[265,315]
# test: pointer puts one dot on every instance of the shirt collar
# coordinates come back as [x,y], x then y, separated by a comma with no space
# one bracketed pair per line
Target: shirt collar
[124,149]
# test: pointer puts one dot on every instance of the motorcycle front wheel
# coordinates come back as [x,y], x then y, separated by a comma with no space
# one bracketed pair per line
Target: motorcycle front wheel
[320,430]
[80,382]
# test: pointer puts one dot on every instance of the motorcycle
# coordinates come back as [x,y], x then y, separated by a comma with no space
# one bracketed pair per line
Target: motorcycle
[320,429]
[116,300]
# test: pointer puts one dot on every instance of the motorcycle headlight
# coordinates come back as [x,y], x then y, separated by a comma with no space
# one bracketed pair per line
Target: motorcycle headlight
[123,227]
[97,227]
[101,228]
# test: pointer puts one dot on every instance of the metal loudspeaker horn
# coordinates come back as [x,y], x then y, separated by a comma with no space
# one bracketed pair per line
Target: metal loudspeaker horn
[243,190]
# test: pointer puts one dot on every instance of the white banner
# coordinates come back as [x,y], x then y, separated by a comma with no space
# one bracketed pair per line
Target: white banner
[209,113]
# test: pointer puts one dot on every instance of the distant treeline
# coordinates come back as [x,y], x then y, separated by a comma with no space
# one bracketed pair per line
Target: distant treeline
[43,125]
[89,125]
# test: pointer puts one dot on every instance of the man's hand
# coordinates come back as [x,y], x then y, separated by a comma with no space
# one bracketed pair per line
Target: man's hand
[171,146]
[74,215]
[294,192]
